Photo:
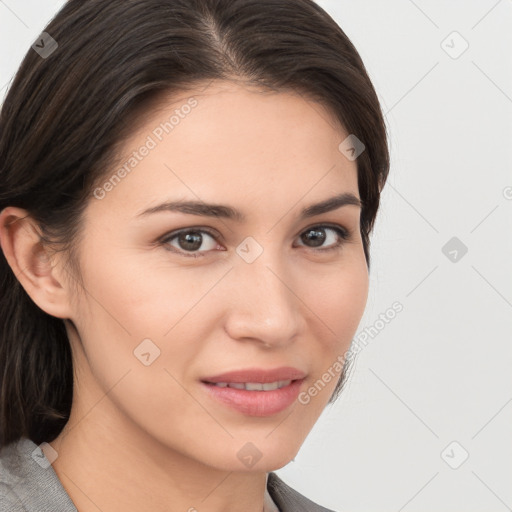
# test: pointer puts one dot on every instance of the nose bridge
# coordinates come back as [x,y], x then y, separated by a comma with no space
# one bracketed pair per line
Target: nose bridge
[265,308]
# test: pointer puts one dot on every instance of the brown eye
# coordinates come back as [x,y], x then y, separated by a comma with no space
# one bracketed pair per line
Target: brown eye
[190,241]
[316,236]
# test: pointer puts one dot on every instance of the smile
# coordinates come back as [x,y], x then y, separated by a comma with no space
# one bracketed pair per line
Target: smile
[254,386]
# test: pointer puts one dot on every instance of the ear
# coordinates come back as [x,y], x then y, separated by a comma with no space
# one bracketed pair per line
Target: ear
[38,273]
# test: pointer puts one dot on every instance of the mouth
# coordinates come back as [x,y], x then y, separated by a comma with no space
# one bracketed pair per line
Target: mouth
[253,386]
[256,392]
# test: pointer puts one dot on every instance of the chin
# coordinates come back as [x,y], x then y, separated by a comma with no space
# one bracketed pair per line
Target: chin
[265,455]
[243,454]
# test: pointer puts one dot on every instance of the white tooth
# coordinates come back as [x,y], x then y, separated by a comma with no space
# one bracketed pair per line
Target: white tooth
[237,385]
[254,386]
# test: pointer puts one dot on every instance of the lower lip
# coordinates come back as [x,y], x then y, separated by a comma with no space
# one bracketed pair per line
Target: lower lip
[256,403]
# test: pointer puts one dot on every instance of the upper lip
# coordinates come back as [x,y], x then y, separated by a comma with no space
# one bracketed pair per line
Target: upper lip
[258,375]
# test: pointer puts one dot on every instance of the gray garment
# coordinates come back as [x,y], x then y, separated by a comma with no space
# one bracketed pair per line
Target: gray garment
[28,483]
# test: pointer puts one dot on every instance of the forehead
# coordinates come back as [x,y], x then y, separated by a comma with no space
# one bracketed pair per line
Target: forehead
[232,143]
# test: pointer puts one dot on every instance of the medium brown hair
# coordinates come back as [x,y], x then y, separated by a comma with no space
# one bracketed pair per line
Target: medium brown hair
[65,114]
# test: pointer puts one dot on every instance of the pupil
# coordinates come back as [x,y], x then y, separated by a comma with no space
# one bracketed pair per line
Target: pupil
[193,238]
[317,238]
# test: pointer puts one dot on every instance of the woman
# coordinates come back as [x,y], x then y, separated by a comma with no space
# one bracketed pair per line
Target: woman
[187,192]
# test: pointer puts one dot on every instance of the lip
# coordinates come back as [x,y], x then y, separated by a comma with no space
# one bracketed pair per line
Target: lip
[256,403]
[258,375]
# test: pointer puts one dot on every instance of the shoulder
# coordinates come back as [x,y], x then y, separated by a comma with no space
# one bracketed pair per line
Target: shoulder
[288,499]
[9,502]
[28,482]
[11,480]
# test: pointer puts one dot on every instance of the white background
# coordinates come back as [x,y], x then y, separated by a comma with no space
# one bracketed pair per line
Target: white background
[440,370]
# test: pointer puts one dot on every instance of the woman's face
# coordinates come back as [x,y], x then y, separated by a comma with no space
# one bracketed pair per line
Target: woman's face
[271,288]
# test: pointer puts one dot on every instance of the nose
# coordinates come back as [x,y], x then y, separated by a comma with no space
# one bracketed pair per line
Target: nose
[264,307]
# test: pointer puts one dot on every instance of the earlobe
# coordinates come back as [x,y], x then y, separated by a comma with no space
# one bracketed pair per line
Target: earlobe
[31,262]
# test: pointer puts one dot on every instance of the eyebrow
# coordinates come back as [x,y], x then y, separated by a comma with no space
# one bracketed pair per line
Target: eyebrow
[228,212]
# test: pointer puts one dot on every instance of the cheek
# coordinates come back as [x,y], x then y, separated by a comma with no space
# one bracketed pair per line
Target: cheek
[123,321]
[146,295]
[338,298]
[132,309]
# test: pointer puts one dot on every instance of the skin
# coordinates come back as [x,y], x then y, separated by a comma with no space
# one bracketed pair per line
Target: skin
[142,435]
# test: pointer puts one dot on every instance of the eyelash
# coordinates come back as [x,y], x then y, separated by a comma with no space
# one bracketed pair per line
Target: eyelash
[343,234]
